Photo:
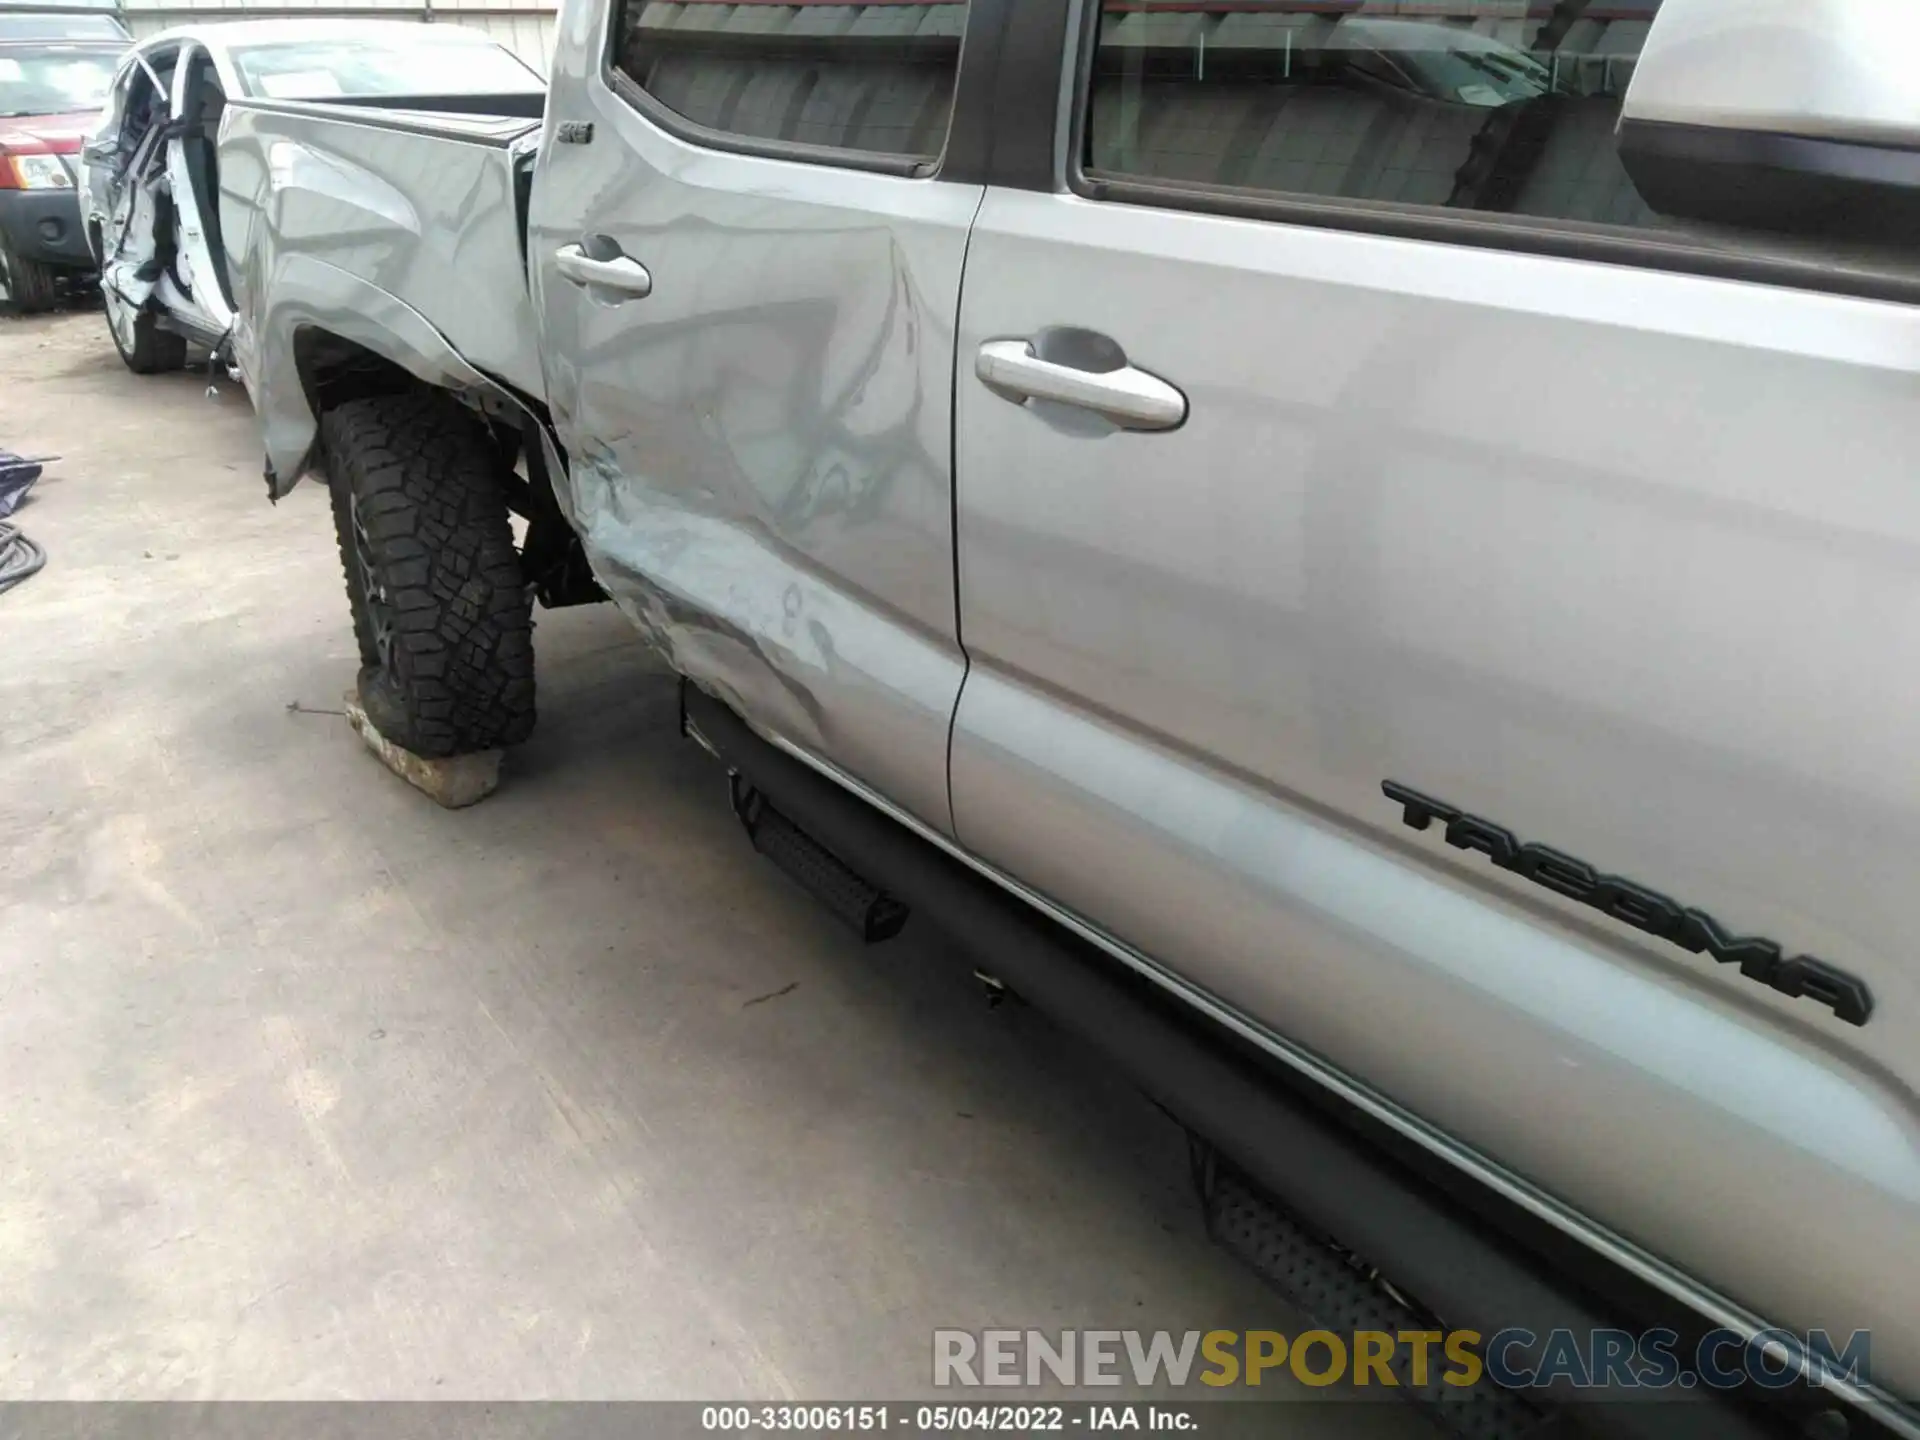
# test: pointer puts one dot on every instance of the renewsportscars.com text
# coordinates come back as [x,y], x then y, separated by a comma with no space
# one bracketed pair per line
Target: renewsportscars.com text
[1514,1359]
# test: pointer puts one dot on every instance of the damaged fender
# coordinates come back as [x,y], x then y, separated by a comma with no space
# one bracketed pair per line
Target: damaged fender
[308,293]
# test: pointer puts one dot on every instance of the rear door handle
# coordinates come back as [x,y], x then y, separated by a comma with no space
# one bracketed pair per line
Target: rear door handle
[1130,397]
[622,273]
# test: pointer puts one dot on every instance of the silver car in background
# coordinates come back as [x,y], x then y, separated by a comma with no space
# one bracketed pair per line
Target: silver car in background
[151,177]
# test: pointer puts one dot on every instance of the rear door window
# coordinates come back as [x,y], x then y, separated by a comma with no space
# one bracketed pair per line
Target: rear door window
[1476,105]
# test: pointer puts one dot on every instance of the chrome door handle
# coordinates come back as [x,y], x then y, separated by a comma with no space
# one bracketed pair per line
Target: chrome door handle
[1131,398]
[622,273]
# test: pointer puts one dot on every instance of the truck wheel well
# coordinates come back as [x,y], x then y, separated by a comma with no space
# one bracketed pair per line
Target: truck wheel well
[334,370]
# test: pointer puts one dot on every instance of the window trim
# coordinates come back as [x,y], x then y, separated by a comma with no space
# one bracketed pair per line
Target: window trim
[973,46]
[1013,108]
[1540,235]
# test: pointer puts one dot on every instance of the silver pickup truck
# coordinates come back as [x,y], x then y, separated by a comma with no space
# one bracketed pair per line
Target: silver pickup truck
[1365,554]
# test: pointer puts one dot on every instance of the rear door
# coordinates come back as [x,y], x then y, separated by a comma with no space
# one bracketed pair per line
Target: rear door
[1344,421]
[746,249]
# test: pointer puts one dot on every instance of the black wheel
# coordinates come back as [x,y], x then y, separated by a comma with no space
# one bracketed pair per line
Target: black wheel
[26,286]
[147,349]
[441,612]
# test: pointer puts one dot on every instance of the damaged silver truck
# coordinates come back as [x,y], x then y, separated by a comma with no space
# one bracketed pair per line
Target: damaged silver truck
[1363,555]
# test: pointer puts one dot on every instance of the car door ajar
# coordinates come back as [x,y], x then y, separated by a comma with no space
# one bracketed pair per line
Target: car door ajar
[101,160]
[747,273]
[1263,510]
[192,180]
[129,220]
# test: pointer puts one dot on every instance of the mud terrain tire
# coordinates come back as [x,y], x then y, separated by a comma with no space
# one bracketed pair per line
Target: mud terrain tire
[441,612]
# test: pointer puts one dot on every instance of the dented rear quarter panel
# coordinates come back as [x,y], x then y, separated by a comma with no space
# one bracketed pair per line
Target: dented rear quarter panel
[396,230]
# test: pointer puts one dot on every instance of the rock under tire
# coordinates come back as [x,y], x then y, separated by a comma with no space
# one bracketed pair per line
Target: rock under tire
[441,612]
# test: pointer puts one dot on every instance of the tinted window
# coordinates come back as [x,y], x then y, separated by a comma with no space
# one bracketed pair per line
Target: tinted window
[427,64]
[1497,106]
[876,78]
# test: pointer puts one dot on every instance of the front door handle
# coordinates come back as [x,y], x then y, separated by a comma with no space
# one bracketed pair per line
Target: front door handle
[1131,398]
[622,273]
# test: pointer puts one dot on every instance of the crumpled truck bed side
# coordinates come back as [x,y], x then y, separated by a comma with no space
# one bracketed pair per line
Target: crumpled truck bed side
[396,231]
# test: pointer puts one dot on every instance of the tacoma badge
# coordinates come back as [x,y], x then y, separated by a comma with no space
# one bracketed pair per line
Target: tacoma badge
[1694,931]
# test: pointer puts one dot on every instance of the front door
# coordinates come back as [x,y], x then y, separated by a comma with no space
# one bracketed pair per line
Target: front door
[747,272]
[127,207]
[1350,423]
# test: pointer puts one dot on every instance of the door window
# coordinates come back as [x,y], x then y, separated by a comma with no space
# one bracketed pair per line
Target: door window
[138,104]
[1477,105]
[874,79]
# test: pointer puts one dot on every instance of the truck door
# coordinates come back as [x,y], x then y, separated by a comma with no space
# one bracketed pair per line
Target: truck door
[1344,427]
[746,262]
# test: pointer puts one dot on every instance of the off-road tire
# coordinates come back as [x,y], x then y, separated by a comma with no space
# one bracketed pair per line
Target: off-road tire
[154,351]
[26,286]
[441,612]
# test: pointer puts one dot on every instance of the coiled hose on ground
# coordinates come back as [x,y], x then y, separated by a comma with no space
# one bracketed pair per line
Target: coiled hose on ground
[19,556]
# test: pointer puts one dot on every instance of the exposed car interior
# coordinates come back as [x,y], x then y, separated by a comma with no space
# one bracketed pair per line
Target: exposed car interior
[156,212]
[198,129]
[136,235]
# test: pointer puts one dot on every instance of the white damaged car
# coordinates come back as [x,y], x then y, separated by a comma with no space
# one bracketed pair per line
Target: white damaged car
[150,176]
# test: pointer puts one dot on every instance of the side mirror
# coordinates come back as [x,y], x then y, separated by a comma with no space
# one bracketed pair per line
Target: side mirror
[1801,116]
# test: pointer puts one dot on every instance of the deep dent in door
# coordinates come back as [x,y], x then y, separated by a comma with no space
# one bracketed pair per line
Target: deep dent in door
[761,447]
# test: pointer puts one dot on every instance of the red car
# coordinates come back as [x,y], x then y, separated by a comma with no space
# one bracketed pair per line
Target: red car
[54,74]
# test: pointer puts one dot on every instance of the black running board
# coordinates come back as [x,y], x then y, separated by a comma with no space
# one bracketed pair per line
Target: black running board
[867,910]
[1336,1291]
[1472,1257]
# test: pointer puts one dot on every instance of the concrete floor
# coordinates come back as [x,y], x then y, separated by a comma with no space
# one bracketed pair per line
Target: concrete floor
[313,1089]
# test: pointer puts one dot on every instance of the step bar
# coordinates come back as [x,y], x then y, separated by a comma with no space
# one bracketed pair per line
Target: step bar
[1469,1255]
